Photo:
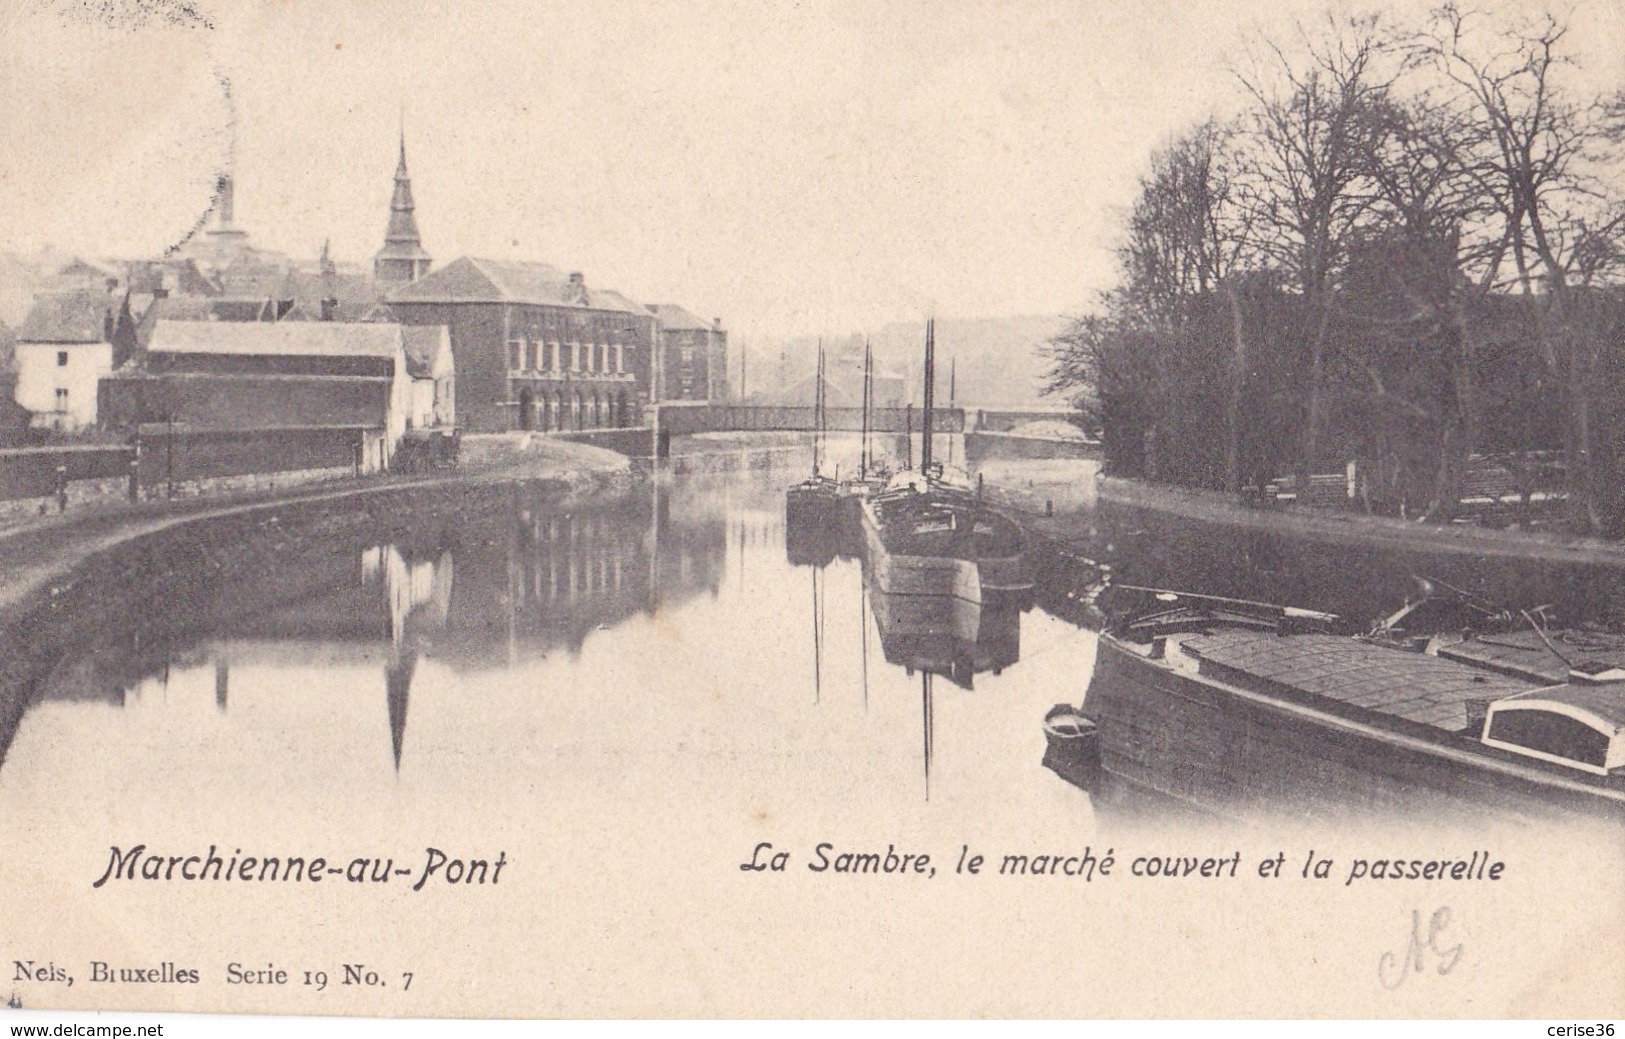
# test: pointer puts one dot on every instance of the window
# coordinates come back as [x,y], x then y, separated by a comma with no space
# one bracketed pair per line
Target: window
[553,357]
[514,347]
[530,355]
[603,358]
[687,354]
[1550,735]
[620,357]
[62,358]
[62,400]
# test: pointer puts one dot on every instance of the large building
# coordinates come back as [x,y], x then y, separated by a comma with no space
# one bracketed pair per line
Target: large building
[694,355]
[535,347]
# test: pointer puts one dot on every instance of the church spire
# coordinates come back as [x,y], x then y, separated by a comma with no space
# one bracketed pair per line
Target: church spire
[402,258]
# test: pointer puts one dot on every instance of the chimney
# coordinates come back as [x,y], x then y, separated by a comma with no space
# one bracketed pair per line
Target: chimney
[330,308]
[578,287]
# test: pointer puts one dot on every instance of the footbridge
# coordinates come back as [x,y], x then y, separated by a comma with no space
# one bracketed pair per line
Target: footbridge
[686,418]
[987,437]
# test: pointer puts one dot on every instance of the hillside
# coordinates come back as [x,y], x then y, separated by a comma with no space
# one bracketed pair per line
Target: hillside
[990,361]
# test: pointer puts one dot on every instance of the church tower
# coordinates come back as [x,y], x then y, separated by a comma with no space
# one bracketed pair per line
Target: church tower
[402,259]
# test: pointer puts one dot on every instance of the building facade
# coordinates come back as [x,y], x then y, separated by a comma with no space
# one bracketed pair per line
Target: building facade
[694,355]
[434,377]
[219,376]
[535,347]
[67,344]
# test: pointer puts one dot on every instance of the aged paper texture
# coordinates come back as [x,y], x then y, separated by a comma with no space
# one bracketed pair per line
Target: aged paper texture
[580,737]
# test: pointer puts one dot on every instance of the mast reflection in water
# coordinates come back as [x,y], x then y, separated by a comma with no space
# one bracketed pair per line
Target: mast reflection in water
[661,642]
[930,635]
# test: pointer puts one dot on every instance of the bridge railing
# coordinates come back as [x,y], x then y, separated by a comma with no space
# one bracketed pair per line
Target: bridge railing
[684,419]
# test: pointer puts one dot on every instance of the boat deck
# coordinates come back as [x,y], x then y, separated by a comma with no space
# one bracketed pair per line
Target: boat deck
[1524,654]
[938,524]
[1426,690]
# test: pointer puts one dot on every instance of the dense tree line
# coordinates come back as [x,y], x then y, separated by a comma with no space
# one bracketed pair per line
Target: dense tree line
[1406,249]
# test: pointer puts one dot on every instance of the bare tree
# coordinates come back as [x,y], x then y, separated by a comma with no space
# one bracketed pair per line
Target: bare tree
[1360,258]
[1419,249]
[1182,238]
[1304,188]
[1537,161]
[1185,232]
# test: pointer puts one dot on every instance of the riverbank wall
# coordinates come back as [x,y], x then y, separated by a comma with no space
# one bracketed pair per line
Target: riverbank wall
[35,558]
[1358,567]
[1352,528]
[61,580]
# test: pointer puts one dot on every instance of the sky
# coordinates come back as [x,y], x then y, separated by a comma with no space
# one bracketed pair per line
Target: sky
[792,168]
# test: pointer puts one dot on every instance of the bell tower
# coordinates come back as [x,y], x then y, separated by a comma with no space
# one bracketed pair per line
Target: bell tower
[402,259]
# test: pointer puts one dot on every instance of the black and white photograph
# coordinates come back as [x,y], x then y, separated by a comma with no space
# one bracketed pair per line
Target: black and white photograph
[812,510]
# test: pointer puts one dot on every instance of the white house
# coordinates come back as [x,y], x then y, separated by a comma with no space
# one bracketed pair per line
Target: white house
[67,344]
[429,362]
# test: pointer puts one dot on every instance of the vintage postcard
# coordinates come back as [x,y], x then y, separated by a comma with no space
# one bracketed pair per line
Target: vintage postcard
[854,509]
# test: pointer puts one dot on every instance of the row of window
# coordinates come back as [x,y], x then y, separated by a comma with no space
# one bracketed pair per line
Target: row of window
[529,355]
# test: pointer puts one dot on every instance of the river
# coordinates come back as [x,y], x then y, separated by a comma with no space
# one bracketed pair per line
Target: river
[626,705]
[605,668]
[645,641]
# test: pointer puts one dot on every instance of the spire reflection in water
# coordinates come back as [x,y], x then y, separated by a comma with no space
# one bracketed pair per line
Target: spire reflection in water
[654,647]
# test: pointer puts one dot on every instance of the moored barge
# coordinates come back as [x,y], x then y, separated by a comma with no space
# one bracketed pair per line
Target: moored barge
[921,538]
[1244,713]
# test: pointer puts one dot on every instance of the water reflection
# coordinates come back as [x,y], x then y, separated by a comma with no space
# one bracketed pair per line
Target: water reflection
[928,635]
[947,636]
[688,602]
[685,602]
[509,587]
[679,647]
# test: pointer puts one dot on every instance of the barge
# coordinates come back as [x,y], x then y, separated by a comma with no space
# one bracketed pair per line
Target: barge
[923,538]
[1243,712]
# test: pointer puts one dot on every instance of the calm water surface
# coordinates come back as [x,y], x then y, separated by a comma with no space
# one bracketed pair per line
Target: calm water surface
[667,641]
[624,702]
[662,642]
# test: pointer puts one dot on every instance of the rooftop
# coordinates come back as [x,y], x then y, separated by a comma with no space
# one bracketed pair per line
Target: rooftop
[674,318]
[70,317]
[299,338]
[424,346]
[469,279]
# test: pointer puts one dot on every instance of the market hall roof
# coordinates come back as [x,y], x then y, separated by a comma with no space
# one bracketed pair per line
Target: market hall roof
[257,338]
[469,279]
